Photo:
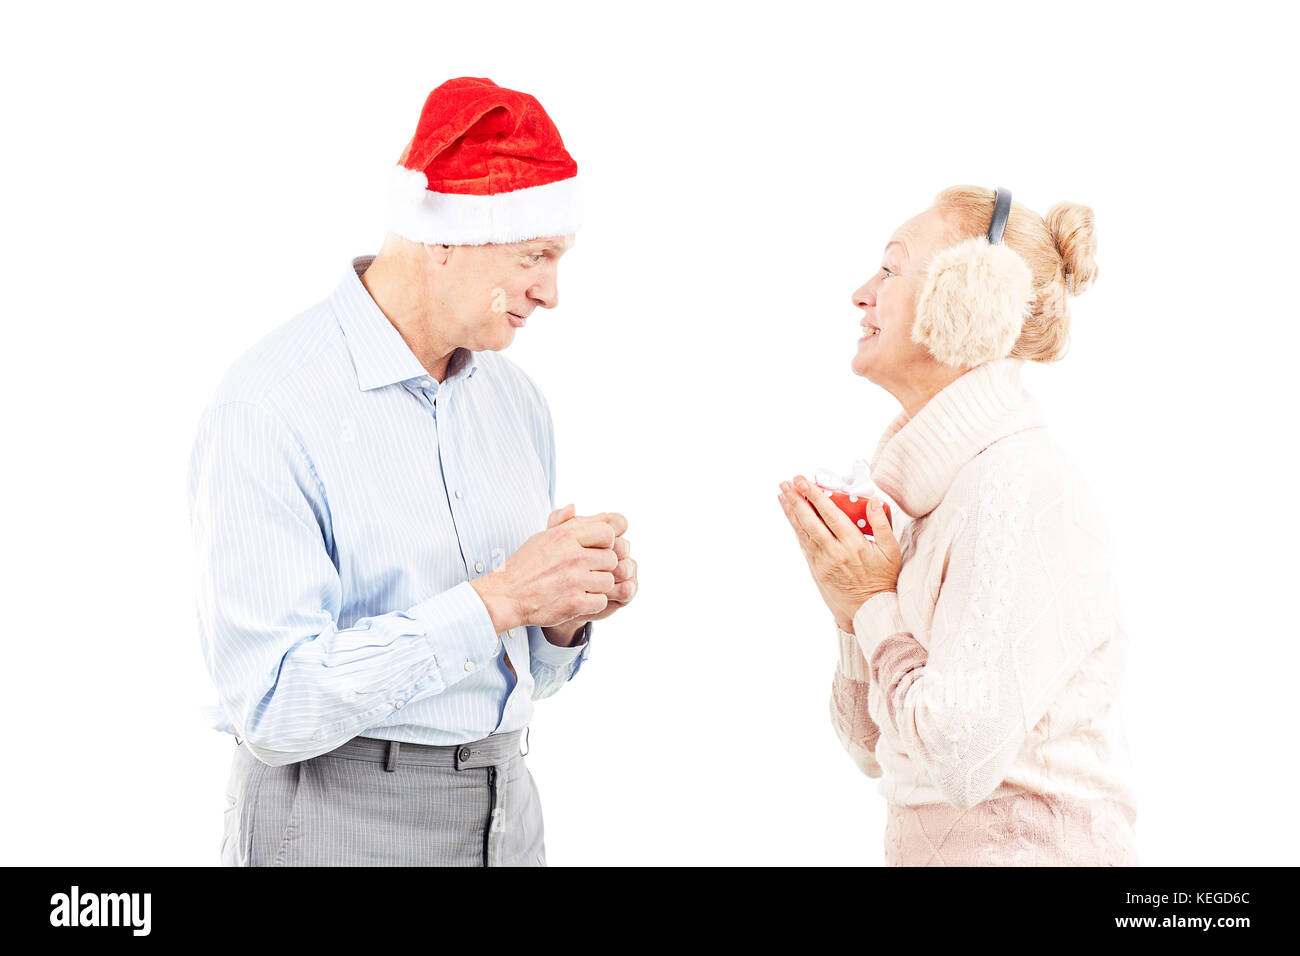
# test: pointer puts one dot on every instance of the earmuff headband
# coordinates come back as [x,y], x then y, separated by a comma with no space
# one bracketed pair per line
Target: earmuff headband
[976,296]
[1001,211]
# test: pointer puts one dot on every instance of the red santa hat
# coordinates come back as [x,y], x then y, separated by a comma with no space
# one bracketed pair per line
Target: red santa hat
[486,164]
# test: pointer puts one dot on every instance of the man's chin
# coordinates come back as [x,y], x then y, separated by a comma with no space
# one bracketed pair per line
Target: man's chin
[496,343]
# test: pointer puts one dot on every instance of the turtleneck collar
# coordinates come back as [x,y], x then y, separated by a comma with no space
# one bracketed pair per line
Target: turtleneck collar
[918,458]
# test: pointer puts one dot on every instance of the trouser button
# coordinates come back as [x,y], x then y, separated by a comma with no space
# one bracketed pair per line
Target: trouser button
[464,754]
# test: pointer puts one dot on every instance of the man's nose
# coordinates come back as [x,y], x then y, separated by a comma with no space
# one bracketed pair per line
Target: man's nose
[546,294]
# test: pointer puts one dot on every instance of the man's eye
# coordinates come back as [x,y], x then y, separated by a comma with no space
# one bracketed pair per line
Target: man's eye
[537,256]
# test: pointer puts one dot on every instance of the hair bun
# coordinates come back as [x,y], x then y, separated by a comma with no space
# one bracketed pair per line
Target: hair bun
[1071,226]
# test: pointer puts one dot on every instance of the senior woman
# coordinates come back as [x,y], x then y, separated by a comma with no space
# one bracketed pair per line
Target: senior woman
[980,650]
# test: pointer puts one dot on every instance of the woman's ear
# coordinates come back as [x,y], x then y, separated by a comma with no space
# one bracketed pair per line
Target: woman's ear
[973,303]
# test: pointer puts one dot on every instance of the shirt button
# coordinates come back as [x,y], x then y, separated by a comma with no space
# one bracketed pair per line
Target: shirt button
[478,566]
[511,632]
[458,493]
[398,704]
[469,665]
[425,382]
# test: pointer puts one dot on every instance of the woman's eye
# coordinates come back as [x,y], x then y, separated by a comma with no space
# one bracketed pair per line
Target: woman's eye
[537,257]
[886,272]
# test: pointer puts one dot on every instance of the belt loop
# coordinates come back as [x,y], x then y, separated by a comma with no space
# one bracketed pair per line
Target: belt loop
[527,747]
[391,764]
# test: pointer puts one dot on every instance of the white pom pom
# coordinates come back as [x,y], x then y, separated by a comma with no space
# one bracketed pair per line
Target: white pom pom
[407,186]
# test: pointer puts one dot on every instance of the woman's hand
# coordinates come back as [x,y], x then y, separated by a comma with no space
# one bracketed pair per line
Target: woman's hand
[847,566]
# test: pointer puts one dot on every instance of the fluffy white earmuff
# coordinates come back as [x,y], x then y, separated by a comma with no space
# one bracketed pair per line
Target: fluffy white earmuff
[974,302]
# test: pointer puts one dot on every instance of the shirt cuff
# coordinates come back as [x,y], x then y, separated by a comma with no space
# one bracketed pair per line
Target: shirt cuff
[458,628]
[876,620]
[555,656]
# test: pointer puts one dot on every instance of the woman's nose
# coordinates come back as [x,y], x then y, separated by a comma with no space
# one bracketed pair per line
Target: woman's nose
[864,298]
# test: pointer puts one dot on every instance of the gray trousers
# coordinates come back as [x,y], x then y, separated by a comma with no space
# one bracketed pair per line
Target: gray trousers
[380,803]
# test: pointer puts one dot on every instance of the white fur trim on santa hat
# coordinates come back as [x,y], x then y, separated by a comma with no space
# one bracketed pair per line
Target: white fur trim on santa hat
[421,215]
[974,303]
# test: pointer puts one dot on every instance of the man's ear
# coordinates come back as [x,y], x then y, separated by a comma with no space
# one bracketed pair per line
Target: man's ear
[439,253]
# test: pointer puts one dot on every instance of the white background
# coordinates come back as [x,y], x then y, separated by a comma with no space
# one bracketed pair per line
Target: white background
[178,180]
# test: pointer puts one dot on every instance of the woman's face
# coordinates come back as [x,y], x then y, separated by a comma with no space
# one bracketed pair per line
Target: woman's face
[890,358]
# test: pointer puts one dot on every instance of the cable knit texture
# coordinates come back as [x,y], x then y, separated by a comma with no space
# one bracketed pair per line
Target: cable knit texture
[983,691]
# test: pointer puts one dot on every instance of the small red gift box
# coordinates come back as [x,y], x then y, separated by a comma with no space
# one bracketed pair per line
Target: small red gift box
[855,506]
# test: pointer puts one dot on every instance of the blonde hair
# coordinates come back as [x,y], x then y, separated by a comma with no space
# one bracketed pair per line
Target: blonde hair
[1059,251]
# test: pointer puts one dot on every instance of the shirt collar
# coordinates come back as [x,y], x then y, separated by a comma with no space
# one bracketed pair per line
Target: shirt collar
[917,459]
[379,353]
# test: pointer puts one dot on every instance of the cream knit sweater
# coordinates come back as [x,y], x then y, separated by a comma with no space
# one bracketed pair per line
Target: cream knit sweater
[981,691]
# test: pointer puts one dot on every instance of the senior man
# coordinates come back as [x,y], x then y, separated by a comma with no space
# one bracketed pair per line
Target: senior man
[384,583]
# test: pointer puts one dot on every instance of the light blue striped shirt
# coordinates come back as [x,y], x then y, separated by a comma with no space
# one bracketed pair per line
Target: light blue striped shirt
[341,500]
